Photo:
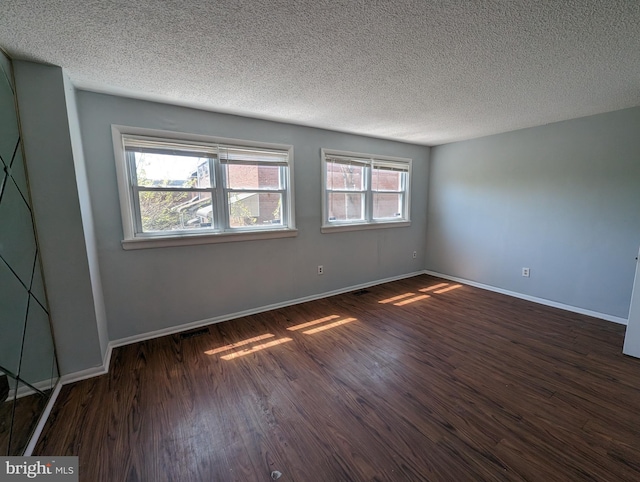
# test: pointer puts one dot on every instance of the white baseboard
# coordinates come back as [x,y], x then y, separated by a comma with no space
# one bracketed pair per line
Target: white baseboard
[104,368]
[63,380]
[90,372]
[209,321]
[43,419]
[542,301]
[26,390]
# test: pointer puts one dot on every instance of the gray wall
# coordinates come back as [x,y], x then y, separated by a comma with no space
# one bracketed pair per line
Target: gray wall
[562,199]
[86,214]
[153,289]
[47,122]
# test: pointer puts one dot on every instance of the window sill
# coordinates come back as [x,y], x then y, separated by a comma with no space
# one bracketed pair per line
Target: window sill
[194,239]
[337,228]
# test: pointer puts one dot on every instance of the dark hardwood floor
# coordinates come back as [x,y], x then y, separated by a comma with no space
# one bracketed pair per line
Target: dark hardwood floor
[18,419]
[448,383]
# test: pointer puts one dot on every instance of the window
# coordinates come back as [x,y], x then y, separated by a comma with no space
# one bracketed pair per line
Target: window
[177,189]
[363,191]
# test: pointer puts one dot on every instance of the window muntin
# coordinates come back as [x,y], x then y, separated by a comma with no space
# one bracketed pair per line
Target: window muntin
[364,190]
[181,188]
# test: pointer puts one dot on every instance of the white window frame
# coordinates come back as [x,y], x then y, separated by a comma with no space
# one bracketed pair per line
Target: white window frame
[133,236]
[370,160]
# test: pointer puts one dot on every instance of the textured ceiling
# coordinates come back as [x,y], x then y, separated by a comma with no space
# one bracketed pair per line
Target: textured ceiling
[427,72]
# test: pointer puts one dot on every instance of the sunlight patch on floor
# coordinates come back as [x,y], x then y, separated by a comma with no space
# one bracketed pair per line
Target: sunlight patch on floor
[329,326]
[411,300]
[231,346]
[396,298]
[314,322]
[444,290]
[434,287]
[256,348]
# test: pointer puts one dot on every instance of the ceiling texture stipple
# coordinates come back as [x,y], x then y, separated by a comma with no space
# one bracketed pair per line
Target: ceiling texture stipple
[426,72]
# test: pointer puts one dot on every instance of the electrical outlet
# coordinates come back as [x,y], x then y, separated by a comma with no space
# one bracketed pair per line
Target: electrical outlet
[415,254]
[525,272]
[320,269]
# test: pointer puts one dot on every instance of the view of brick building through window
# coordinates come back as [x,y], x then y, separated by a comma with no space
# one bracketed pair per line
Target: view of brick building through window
[248,208]
[179,210]
[177,191]
[346,186]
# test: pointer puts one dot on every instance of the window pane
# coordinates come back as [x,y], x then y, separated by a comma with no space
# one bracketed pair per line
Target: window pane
[254,209]
[387,180]
[346,206]
[252,176]
[345,177]
[387,205]
[171,210]
[171,170]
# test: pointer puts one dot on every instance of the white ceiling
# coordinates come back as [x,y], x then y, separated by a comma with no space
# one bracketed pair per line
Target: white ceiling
[426,72]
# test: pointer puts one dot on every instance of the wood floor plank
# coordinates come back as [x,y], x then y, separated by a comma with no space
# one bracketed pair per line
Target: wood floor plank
[419,379]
